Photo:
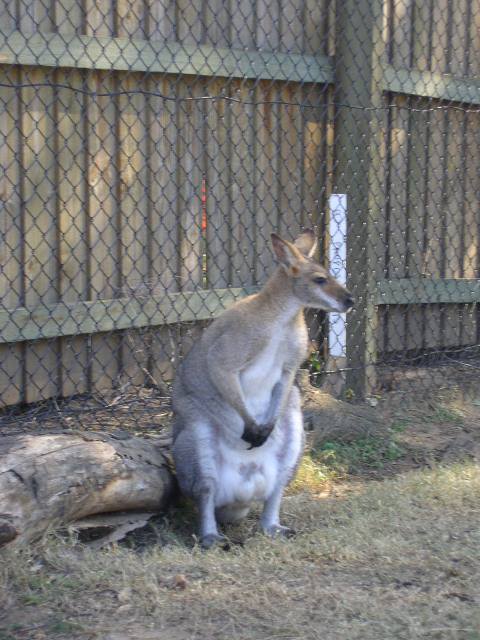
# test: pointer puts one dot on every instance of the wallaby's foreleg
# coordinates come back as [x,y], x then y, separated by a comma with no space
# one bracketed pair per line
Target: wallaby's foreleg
[280,394]
[226,380]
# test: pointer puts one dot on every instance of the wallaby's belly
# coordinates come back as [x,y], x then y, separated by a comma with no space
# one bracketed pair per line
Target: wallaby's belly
[244,479]
[246,476]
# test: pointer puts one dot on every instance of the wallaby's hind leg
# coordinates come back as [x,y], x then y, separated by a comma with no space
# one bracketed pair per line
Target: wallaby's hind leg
[193,453]
[270,520]
[205,500]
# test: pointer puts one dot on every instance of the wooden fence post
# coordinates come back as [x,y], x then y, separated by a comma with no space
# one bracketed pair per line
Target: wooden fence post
[359,144]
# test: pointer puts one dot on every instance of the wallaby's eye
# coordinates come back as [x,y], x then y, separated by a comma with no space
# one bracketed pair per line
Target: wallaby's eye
[319,280]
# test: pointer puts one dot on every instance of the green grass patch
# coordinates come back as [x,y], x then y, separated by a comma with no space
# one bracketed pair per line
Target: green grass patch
[446,414]
[371,452]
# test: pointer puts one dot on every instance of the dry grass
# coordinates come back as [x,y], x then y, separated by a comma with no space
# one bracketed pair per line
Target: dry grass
[398,558]
[388,548]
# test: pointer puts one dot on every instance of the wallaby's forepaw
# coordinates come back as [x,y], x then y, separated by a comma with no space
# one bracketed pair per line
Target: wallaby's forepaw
[257,434]
[278,531]
[212,539]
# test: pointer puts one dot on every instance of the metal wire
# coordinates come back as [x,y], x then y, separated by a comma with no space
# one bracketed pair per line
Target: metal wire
[137,195]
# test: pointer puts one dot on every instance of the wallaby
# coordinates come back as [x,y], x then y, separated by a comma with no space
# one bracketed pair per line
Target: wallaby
[238,429]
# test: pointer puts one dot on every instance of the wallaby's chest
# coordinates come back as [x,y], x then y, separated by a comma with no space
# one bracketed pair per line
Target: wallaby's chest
[265,364]
[265,370]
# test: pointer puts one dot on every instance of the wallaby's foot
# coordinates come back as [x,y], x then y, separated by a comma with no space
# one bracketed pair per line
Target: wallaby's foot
[278,531]
[213,539]
[257,434]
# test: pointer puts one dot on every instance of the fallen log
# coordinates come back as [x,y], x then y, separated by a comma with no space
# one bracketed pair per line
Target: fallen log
[54,479]
[331,419]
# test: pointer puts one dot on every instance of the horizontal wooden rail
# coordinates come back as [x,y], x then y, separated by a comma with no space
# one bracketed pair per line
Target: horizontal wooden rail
[123,54]
[62,319]
[428,291]
[426,84]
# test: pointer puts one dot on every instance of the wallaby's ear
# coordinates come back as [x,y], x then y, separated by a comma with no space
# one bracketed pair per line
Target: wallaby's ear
[287,254]
[307,243]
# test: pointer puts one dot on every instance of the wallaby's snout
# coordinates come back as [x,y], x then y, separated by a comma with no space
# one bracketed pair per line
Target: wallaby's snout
[310,282]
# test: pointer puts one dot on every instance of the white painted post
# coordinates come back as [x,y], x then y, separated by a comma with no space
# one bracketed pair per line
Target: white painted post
[337,335]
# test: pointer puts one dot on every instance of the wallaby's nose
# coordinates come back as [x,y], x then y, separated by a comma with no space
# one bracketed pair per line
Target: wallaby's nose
[349,301]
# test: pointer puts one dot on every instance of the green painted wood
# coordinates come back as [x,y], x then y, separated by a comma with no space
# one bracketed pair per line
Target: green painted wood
[122,54]
[62,319]
[432,85]
[359,48]
[428,291]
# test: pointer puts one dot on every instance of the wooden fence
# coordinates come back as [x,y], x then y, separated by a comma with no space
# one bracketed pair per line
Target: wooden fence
[103,255]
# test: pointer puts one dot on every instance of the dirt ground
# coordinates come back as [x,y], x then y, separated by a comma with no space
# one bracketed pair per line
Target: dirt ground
[387,545]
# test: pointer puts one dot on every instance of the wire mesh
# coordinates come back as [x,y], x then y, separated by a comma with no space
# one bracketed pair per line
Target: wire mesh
[149,148]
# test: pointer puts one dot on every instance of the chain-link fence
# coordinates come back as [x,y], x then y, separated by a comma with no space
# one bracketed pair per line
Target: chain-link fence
[149,148]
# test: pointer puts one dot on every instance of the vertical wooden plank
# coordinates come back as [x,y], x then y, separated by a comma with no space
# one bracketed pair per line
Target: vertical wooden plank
[417,176]
[459,37]
[398,201]
[397,197]
[315,25]
[452,199]
[161,19]
[8,16]
[467,318]
[40,249]
[422,25]
[163,224]
[433,233]
[291,209]
[104,356]
[104,268]
[35,16]
[474,40]
[266,174]
[471,162]
[190,169]
[312,161]
[99,18]
[162,166]
[469,315]
[68,16]
[292,26]
[268,25]
[402,36]
[242,176]
[189,22]
[242,28]
[11,285]
[73,256]
[130,19]
[440,36]
[217,22]
[133,214]
[454,196]
[218,207]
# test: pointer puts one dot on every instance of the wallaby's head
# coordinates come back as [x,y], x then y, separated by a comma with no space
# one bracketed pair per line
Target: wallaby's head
[311,283]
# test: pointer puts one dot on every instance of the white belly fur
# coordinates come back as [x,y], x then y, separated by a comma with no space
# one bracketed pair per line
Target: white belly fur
[259,379]
[246,476]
